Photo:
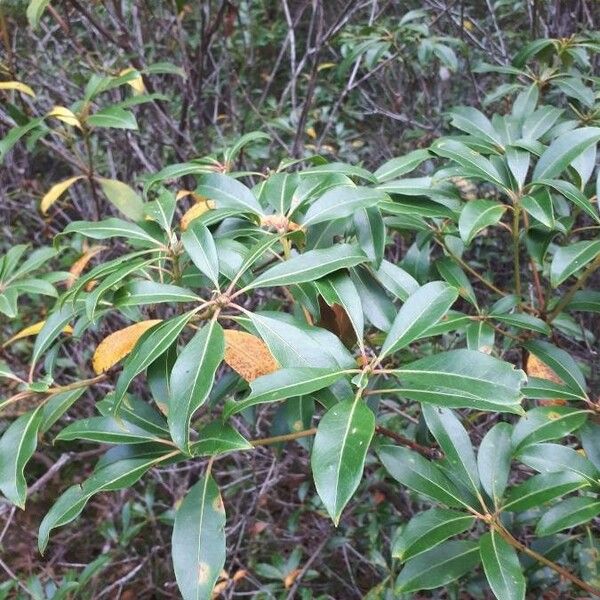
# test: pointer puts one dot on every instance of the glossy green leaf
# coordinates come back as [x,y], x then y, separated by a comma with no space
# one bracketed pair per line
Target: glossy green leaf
[429,529]
[568,260]
[545,423]
[137,293]
[569,191]
[192,379]
[199,540]
[476,216]
[396,167]
[115,476]
[438,567]
[113,116]
[493,460]
[340,289]
[310,266]
[566,514]
[455,444]
[341,202]
[109,228]
[149,347]
[469,159]
[17,445]
[106,430]
[462,378]
[561,363]
[200,246]
[419,474]
[339,451]
[285,383]
[218,438]
[422,309]
[563,150]
[502,568]
[123,197]
[539,489]
[554,458]
[227,192]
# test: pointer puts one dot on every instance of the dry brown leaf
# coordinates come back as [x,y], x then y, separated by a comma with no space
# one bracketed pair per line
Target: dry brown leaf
[119,344]
[288,582]
[534,367]
[80,264]
[336,319]
[247,355]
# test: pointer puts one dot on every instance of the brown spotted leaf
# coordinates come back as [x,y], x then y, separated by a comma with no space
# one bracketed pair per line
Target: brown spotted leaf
[247,355]
[534,367]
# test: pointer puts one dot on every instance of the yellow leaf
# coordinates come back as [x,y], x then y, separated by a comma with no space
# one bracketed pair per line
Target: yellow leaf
[311,133]
[324,66]
[119,344]
[54,193]
[65,115]
[194,212]
[290,578]
[79,265]
[137,83]
[32,330]
[18,86]
[247,355]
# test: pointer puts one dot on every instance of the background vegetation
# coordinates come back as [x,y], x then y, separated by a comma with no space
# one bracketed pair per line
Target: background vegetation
[156,95]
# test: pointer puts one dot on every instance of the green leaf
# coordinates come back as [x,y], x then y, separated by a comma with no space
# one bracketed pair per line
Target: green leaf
[561,363]
[114,476]
[476,216]
[455,443]
[456,277]
[109,228]
[199,540]
[149,347]
[200,246]
[218,438]
[123,197]
[228,193]
[370,232]
[341,202]
[136,293]
[569,259]
[192,379]
[396,167]
[340,289]
[566,514]
[429,529]
[462,379]
[480,337]
[285,383]
[541,207]
[113,116]
[106,430]
[175,172]
[502,568]
[539,489]
[339,451]
[545,423]
[524,321]
[310,266]
[590,440]
[396,280]
[563,150]
[422,309]
[585,300]
[17,445]
[438,567]
[553,458]
[569,191]
[53,327]
[419,474]
[35,10]
[474,122]
[477,165]
[493,461]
